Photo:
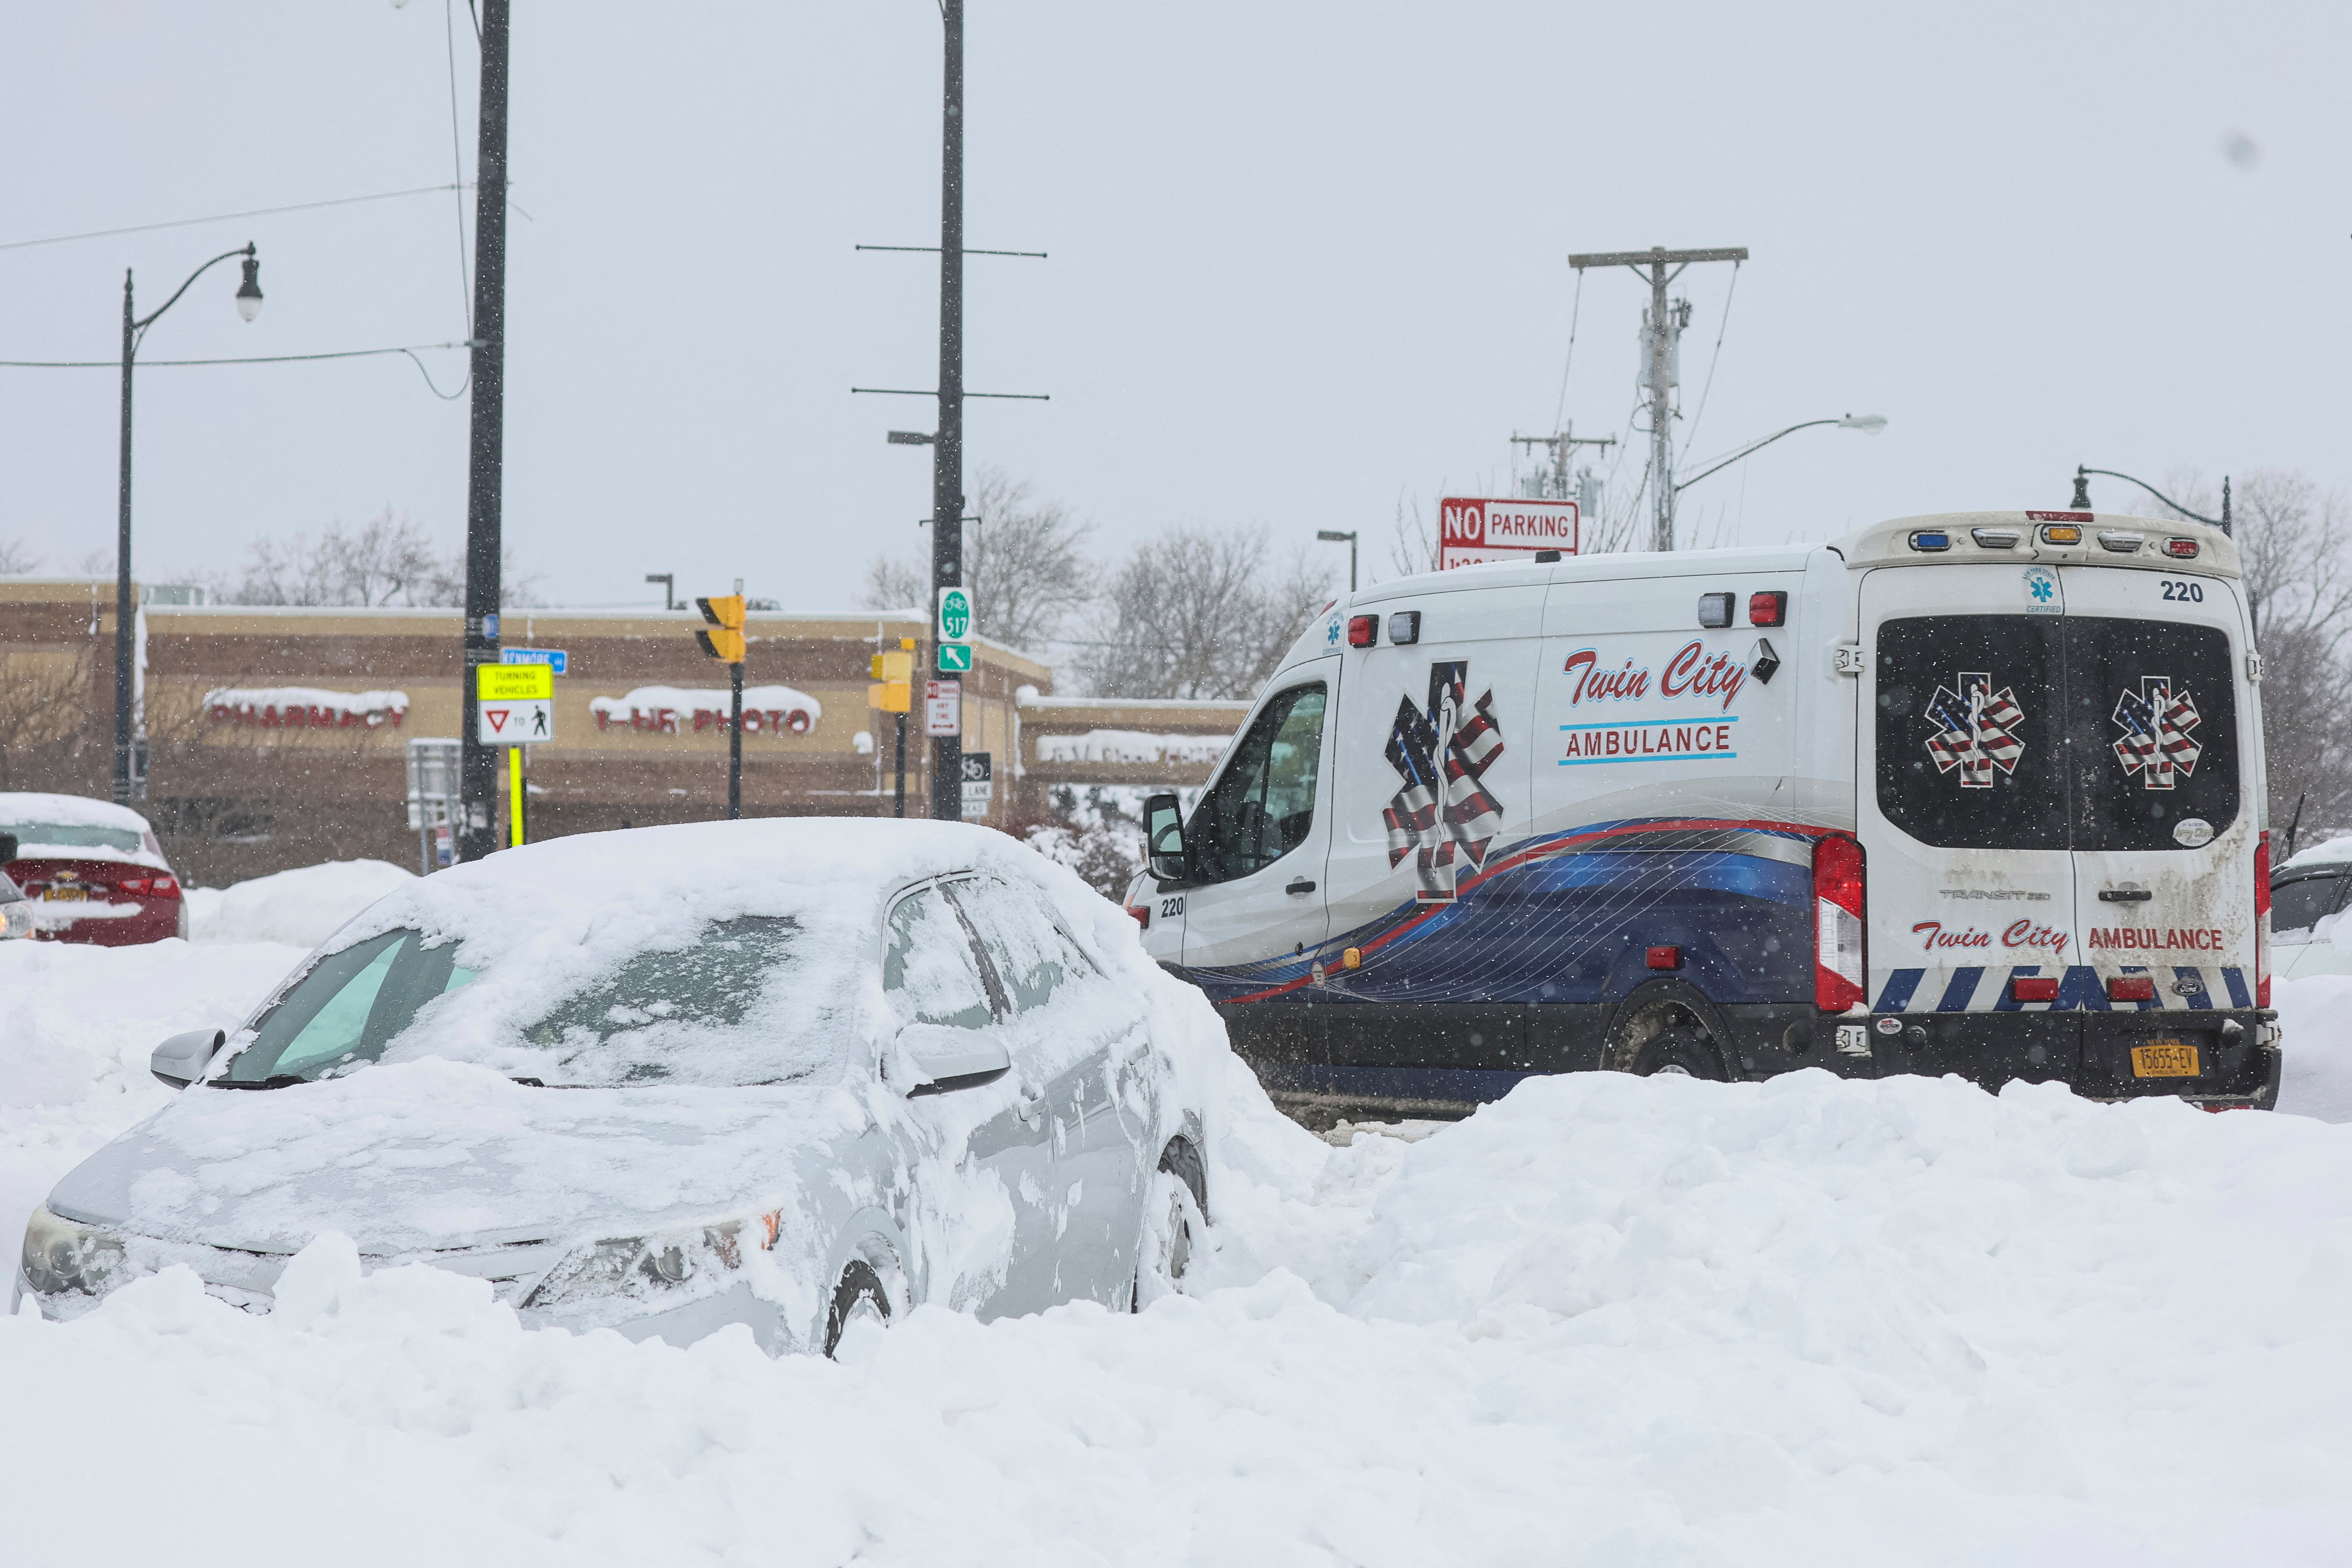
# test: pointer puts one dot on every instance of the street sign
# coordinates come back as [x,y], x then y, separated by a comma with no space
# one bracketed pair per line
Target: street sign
[1471,530]
[515,721]
[942,708]
[979,784]
[952,631]
[555,659]
[514,682]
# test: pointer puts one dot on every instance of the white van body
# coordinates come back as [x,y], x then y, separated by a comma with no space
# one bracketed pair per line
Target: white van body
[1983,794]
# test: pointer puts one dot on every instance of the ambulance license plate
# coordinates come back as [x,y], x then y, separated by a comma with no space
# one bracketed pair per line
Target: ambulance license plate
[67,894]
[2164,1059]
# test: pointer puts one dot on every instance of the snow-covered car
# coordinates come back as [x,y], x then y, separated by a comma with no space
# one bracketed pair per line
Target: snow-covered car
[15,909]
[2307,896]
[781,1073]
[93,870]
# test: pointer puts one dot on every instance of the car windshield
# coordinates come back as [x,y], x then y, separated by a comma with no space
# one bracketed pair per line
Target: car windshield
[68,835]
[2301,900]
[718,1011]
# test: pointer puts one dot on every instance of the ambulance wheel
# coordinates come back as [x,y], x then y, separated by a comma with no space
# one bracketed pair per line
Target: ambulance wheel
[1652,1048]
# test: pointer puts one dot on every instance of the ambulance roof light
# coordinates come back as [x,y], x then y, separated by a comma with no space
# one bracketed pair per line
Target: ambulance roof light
[2061,534]
[1995,538]
[1715,610]
[1930,540]
[2180,548]
[2120,542]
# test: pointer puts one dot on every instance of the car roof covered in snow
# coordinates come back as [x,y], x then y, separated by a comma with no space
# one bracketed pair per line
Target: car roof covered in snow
[68,811]
[2334,852]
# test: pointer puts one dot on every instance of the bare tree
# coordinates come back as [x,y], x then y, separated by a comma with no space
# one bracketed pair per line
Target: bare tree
[1024,566]
[1198,614]
[16,558]
[47,739]
[1414,548]
[2296,543]
[387,560]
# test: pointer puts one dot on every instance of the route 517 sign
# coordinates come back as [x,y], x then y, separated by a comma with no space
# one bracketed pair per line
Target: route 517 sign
[952,630]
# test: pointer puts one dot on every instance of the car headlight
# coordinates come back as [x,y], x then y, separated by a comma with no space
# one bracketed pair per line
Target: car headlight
[61,1256]
[643,1267]
[16,919]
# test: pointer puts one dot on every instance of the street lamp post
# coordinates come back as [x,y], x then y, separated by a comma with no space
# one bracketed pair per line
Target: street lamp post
[1868,423]
[2083,496]
[1333,536]
[134,329]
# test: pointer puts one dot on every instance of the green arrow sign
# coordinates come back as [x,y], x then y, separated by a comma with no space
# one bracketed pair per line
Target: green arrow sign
[955,655]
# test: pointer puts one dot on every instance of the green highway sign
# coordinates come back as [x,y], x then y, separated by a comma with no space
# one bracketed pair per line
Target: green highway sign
[955,615]
[955,655]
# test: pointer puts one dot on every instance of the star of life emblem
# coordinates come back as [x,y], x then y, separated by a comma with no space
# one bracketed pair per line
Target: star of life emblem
[1443,814]
[1977,729]
[2156,743]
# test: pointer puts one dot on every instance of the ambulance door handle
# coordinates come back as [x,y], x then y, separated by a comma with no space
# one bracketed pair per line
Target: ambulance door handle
[1300,885]
[2125,895]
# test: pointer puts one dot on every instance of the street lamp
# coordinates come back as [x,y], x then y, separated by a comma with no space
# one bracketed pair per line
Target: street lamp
[1868,423]
[134,330]
[2083,496]
[1333,536]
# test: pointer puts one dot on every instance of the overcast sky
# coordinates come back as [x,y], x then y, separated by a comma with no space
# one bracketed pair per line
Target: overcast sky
[1307,261]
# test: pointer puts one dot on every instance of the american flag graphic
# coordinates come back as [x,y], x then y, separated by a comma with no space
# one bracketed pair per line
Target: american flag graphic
[2156,743]
[1976,729]
[1441,813]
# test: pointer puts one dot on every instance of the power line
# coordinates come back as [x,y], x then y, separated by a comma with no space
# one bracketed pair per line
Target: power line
[1691,434]
[243,359]
[1575,310]
[224,217]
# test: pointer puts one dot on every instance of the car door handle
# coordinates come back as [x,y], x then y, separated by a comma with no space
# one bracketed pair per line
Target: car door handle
[1300,885]
[1031,1108]
[2125,895]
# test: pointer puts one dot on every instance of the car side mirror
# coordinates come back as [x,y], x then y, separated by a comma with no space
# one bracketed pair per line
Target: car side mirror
[936,1060]
[1163,837]
[180,1060]
[7,848]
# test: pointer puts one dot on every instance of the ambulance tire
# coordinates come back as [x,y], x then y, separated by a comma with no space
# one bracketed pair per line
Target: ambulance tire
[1679,1048]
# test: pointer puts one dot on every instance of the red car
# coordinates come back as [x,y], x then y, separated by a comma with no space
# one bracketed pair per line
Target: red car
[92,869]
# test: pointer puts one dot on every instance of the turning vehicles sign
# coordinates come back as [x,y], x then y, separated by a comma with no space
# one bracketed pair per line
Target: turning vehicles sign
[1470,530]
[517,704]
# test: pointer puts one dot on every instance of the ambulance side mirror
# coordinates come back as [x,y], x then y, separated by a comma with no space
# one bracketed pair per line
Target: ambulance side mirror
[1163,837]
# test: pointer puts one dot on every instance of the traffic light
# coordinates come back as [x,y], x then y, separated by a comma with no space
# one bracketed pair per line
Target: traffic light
[726,612]
[894,676]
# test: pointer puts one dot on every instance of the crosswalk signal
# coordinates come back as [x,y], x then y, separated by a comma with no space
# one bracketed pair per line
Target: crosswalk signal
[724,612]
[893,691]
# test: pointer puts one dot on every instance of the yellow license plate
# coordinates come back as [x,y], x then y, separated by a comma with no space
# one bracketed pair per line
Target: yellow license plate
[2164,1059]
[68,895]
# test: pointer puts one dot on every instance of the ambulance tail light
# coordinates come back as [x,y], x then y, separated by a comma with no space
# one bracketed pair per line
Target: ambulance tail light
[2263,919]
[1141,914]
[1838,976]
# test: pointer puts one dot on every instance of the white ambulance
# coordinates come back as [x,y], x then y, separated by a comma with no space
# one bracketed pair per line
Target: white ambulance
[1976,793]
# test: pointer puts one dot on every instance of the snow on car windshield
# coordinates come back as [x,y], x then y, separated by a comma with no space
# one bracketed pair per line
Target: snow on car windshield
[72,835]
[714,1011]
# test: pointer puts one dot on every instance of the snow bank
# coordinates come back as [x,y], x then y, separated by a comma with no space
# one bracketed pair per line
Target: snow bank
[1131,746]
[301,908]
[2315,1015]
[1607,1322]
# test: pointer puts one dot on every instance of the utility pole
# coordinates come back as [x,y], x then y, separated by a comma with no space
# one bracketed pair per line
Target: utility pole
[1563,447]
[947,446]
[477,767]
[1662,329]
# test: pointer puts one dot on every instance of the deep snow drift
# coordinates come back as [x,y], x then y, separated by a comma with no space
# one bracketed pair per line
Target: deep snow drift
[303,906]
[1607,1321]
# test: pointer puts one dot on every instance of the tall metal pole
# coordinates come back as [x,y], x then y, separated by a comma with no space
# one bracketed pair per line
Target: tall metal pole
[1662,429]
[478,833]
[947,450]
[125,646]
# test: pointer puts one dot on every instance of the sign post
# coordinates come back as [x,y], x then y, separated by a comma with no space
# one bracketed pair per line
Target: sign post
[514,707]
[952,631]
[1471,530]
[978,785]
[893,692]
[942,708]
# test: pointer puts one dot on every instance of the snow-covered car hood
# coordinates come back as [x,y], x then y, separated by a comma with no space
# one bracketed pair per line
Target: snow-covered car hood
[436,1155]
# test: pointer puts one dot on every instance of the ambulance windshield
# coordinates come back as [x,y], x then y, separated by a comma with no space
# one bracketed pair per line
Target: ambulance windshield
[2050,733]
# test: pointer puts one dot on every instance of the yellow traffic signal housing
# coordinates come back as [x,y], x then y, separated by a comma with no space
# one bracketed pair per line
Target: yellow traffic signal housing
[724,612]
[891,696]
[892,667]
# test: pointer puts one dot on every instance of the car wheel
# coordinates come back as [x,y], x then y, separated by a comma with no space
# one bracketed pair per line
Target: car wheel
[858,1298]
[1671,1045]
[1172,1227]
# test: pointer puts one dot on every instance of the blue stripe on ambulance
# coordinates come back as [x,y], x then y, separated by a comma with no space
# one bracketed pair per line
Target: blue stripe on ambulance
[2080,988]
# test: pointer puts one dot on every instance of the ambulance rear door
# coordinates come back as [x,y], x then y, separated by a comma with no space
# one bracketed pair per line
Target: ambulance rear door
[2165,792]
[1962,809]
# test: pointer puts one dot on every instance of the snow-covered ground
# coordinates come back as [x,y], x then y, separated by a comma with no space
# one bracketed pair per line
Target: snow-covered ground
[1607,1321]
